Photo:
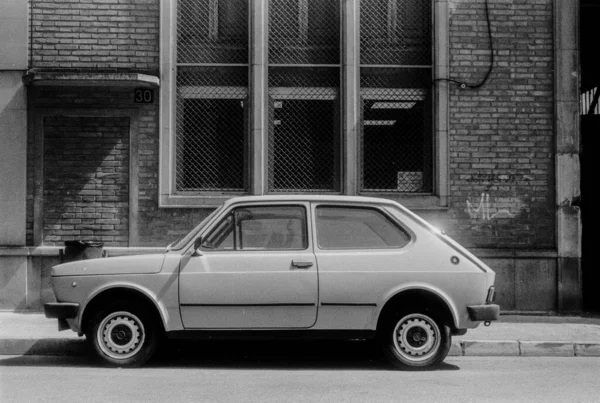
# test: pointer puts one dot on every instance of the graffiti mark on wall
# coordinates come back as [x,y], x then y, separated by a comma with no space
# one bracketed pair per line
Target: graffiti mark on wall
[487,211]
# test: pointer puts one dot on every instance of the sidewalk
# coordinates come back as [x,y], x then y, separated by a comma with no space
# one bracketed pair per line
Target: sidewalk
[513,335]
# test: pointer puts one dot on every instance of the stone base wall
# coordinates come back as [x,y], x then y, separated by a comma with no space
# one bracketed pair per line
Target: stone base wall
[526,281]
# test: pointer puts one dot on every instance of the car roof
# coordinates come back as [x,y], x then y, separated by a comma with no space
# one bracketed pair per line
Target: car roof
[311,198]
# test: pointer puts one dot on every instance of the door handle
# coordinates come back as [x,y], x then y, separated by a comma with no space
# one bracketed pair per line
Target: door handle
[302,264]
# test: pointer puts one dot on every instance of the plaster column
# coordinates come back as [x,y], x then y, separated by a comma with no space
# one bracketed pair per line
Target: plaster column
[13,122]
[13,156]
[567,166]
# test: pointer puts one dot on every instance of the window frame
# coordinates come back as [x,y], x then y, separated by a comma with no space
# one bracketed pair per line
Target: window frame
[350,114]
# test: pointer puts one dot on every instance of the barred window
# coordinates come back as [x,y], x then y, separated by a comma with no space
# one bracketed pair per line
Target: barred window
[259,105]
[304,32]
[212,91]
[395,77]
[304,129]
[211,129]
[212,31]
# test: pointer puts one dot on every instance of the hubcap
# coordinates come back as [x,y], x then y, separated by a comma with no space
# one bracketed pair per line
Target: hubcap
[121,335]
[416,337]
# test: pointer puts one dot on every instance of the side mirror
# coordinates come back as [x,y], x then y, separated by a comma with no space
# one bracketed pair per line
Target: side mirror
[197,244]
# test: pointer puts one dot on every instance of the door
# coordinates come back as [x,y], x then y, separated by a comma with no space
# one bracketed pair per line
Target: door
[256,269]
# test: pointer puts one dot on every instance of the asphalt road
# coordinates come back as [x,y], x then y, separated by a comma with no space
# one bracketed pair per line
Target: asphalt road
[246,373]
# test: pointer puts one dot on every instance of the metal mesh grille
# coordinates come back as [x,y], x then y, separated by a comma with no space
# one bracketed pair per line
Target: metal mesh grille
[211,129]
[304,32]
[396,140]
[212,31]
[304,129]
[396,32]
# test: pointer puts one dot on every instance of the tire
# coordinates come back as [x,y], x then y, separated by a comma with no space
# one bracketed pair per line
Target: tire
[123,334]
[415,341]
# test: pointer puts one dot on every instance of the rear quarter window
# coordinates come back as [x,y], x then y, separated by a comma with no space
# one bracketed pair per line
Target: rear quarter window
[357,228]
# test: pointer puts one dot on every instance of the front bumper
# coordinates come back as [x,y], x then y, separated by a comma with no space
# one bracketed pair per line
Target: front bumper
[488,312]
[61,310]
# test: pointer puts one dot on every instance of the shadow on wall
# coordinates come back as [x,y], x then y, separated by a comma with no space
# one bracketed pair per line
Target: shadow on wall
[86,179]
[13,281]
[13,137]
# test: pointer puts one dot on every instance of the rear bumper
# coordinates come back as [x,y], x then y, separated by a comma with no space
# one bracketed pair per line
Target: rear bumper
[61,310]
[488,312]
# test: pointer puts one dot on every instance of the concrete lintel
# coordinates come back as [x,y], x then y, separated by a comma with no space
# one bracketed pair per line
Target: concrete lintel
[91,79]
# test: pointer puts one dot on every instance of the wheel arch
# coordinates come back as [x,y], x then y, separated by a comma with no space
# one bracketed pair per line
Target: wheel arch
[122,292]
[420,297]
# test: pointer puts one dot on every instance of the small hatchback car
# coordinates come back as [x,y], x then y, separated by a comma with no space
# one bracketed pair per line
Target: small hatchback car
[284,266]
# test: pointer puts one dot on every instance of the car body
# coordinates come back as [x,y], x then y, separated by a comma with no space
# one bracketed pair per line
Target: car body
[285,266]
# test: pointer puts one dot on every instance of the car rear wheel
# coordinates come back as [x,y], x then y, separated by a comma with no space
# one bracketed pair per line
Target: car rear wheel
[415,341]
[123,335]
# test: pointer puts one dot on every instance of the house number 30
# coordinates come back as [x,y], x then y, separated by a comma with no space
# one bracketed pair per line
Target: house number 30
[143,96]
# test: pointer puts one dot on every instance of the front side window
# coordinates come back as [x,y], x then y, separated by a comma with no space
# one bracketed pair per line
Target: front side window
[357,228]
[260,228]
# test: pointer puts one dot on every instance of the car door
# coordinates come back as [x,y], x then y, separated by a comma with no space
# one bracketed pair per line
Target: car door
[255,269]
[360,250]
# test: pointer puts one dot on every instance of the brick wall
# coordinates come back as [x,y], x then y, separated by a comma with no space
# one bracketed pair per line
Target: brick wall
[86,179]
[95,34]
[157,226]
[501,134]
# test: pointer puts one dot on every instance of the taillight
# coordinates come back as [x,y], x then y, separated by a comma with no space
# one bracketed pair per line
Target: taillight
[490,295]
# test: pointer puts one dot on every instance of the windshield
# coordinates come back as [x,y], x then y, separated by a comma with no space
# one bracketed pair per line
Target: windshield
[178,244]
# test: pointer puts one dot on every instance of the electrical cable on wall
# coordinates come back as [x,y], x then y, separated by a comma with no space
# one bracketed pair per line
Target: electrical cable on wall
[463,84]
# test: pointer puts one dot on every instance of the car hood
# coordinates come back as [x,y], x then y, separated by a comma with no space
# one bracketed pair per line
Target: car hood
[138,264]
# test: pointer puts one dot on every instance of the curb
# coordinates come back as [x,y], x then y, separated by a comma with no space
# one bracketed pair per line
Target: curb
[462,348]
[516,348]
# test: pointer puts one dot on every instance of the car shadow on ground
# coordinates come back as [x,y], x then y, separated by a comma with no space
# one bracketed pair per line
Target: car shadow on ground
[275,354]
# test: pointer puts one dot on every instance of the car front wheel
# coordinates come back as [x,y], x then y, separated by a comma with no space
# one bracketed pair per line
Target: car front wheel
[123,335]
[415,341]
